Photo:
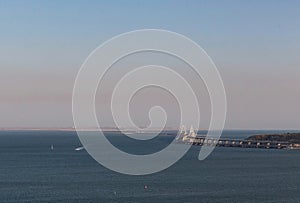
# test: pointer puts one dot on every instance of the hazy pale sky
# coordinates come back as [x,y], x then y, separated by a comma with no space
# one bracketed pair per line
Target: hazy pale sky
[255,45]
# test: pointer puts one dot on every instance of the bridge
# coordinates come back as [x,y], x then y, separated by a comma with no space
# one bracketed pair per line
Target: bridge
[201,140]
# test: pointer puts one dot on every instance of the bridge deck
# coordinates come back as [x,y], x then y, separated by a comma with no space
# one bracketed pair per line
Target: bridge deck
[223,142]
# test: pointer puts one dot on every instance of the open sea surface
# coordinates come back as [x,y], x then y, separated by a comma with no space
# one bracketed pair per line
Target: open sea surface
[31,172]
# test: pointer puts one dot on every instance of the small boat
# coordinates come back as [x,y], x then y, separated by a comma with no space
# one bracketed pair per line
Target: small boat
[79,148]
[52,147]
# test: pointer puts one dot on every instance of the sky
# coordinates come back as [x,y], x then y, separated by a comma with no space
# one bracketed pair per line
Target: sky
[254,44]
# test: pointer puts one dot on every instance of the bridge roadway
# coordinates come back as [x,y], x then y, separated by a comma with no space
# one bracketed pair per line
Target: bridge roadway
[200,140]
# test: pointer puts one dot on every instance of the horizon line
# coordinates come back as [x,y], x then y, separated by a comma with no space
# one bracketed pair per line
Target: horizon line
[123,129]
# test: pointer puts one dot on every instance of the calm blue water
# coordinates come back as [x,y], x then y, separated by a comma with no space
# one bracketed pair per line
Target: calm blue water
[31,172]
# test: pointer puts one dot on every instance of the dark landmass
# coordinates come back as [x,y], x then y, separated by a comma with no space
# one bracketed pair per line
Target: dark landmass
[293,138]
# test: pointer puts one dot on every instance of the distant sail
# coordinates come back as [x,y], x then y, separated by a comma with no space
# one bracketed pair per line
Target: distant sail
[182,132]
[192,132]
[181,129]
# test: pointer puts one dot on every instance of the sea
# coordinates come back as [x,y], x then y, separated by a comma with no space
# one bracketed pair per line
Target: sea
[31,170]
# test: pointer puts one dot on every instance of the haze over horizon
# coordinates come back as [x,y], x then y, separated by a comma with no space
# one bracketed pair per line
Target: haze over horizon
[255,45]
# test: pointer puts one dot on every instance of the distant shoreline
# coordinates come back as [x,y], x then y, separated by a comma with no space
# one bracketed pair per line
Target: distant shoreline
[293,138]
[84,130]
[111,129]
